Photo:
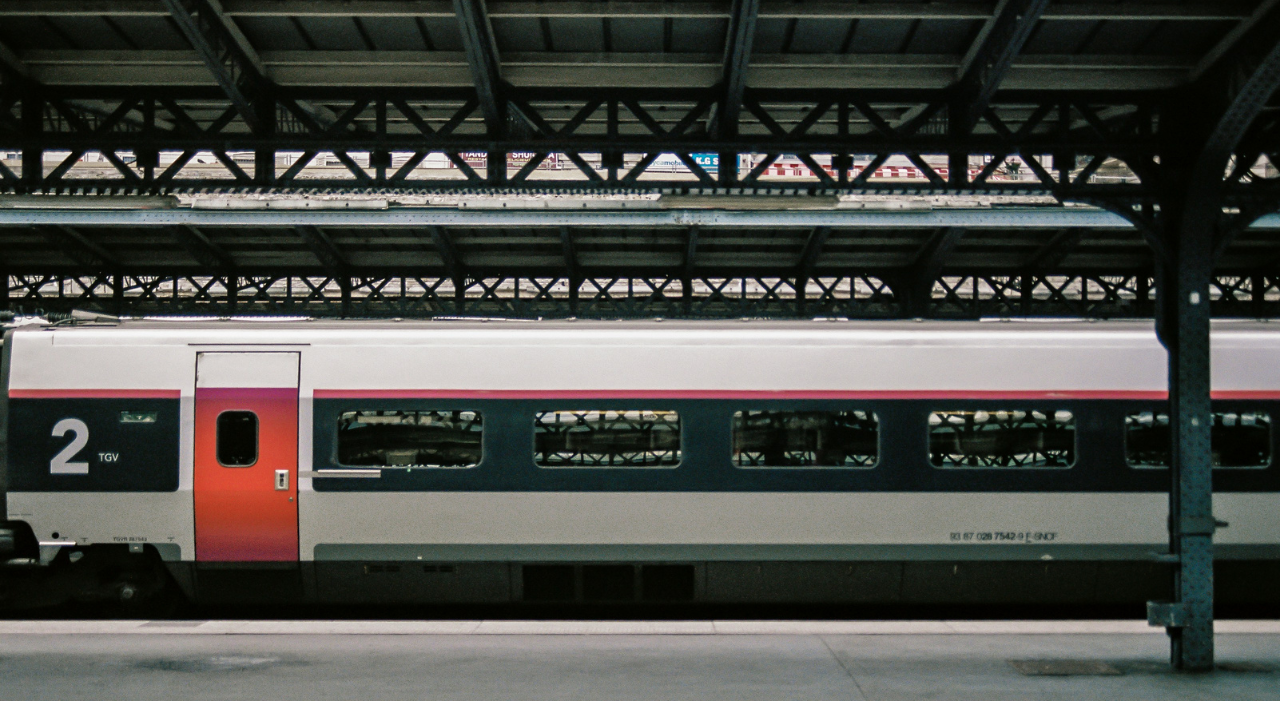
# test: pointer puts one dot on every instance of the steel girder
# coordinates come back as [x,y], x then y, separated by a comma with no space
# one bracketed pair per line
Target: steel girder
[606,141]
[842,137]
[737,54]
[984,67]
[611,137]
[482,59]
[233,64]
[698,295]
[148,213]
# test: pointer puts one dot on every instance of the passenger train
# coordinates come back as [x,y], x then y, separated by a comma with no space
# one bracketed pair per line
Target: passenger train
[648,462]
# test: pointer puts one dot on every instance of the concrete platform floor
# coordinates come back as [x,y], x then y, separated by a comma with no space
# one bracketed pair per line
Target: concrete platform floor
[534,660]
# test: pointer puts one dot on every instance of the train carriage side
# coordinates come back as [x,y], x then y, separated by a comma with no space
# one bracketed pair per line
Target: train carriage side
[888,463]
[578,462]
[97,468]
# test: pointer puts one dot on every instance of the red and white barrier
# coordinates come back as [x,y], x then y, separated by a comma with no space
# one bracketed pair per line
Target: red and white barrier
[799,170]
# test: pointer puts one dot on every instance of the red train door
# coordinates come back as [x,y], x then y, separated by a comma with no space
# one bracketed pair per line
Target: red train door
[246,457]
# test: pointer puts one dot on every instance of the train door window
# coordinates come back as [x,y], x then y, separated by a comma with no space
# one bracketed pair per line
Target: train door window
[805,439]
[1238,439]
[237,438]
[1016,439]
[607,439]
[410,438]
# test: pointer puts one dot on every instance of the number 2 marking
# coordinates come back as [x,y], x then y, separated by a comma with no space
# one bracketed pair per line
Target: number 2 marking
[60,464]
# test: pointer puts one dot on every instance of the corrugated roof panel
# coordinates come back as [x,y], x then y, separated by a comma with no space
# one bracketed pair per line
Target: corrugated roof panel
[817,36]
[443,33]
[637,34]
[691,36]
[333,33]
[1122,38]
[519,34]
[27,33]
[272,33]
[1065,37]
[151,32]
[881,36]
[1188,39]
[771,35]
[394,33]
[943,37]
[577,34]
[91,33]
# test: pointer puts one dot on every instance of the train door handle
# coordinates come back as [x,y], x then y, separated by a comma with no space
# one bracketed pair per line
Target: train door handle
[282,480]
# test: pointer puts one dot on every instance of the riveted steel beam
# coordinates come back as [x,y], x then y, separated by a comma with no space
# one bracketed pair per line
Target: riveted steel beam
[990,57]
[331,259]
[999,219]
[201,248]
[604,294]
[1055,249]
[737,55]
[482,59]
[234,67]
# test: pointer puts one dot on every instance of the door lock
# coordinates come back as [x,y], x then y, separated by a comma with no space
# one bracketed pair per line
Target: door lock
[282,480]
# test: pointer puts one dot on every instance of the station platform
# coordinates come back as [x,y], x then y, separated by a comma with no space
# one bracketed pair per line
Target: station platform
[731,659]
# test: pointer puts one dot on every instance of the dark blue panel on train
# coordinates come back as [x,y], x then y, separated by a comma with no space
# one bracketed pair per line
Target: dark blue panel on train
[706,462]
[105,445]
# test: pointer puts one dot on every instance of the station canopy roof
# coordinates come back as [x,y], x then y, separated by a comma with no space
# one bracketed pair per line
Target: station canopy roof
[662,57]
[1076,45]
[883,97]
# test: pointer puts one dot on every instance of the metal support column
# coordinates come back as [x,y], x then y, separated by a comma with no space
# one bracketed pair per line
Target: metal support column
[1189,219]
[1199,142]
[1185,333]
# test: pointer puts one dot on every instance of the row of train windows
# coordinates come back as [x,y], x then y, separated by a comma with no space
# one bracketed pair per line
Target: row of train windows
[780,439]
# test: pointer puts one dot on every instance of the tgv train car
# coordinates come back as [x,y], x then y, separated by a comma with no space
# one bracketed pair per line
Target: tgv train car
[658,461]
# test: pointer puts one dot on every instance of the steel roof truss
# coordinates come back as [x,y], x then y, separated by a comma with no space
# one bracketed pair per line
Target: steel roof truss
[737,55]
[332,259]
[483,61]
[86,252]
[231,65]
[989,59]
[203,250]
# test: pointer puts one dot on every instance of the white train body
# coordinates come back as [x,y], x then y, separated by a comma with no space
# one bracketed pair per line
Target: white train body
[135,478]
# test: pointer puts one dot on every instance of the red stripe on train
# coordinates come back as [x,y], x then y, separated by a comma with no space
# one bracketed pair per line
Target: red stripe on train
[95,393]
[656,394]
[761,394]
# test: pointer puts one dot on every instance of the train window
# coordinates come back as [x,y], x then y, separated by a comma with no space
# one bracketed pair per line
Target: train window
[237,438]
[410,438]
[783,439]
[606,438]
[1238,439]
[1002,439]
